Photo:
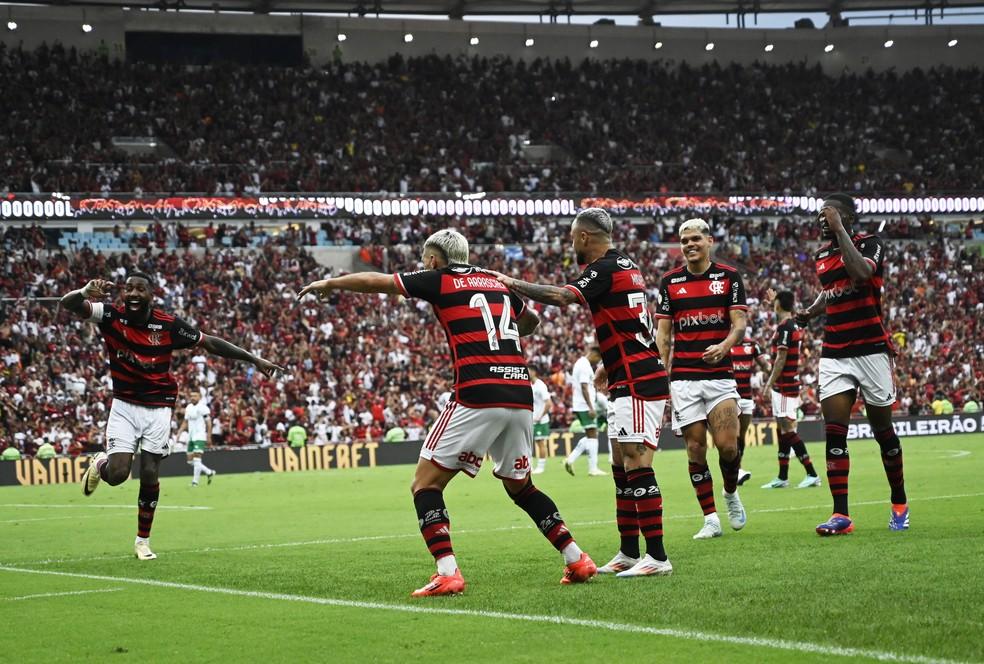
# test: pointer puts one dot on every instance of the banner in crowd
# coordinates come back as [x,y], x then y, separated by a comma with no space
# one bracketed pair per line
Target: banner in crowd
[123,207]
[345,456]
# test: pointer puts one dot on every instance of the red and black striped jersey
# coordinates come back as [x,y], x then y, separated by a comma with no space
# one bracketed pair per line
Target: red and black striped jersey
[613,288]
[854,324]
[478,314]
[699,305]
[743,361]
[140,354]
[788,337]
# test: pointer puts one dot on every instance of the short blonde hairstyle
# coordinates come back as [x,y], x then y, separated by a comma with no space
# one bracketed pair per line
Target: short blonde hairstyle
[449,243]
[695,224]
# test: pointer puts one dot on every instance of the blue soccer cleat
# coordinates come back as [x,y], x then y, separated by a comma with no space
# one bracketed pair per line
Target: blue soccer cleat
[837,524]
[899,520]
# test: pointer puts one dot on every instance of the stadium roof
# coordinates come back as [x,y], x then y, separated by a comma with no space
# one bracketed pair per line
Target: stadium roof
[563,8]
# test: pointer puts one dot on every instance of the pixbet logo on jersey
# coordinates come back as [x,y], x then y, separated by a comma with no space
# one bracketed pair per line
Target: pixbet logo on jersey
[700,318]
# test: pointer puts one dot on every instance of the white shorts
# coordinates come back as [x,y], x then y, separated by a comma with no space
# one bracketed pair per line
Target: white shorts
[131,425]
[874,374]
[694,399]
[746,406]
[785,406]
[636,421]
[462,436]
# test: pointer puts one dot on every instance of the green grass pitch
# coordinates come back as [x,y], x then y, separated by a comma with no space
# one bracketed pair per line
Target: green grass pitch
[318,566]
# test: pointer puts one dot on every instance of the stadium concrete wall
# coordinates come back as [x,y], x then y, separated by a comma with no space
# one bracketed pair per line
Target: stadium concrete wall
[345,456]
[374,40]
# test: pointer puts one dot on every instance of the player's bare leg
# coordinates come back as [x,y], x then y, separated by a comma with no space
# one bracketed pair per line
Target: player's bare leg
[428,486]
[836,415]
[880,418]
[722,422]
[644,493]
[543,511]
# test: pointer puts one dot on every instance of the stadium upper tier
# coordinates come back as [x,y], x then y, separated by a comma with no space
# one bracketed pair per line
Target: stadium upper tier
[430,124]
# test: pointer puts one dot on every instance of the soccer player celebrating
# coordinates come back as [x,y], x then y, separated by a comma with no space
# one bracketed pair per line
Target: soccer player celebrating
[744,357]
[783,387]
[139,343]
[542,405]
[198,423]
[490,411]
[855,355]
[613,288]
[702,310]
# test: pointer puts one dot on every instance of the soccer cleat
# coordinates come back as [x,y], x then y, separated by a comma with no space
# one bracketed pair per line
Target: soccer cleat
[711,528]
[194,484]
[899,519]
[580,571]
[647,566]
[837,524]
[141,548]
[776,484]
[442,585]
[569,467]
[90,478]
[736,511]
[536,471]
[808,481]
[619,563]
[210,476]
[597,472]
[743,476]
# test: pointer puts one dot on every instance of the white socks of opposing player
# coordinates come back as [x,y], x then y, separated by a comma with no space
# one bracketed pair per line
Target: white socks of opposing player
[541,463]
[197,468]
[578,450]
[592,446]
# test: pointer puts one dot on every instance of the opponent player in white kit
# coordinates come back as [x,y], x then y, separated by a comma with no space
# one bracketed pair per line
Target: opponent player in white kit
[196,422]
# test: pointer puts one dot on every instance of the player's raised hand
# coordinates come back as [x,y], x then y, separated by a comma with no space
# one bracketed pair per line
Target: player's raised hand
[268,369]
[320,289]
[770,296]
[97,289]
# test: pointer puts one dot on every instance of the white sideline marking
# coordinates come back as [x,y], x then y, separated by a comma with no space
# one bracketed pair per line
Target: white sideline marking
[52,518]
[955,454]
[74,592]
[108,507]
[464,531]
[686,634]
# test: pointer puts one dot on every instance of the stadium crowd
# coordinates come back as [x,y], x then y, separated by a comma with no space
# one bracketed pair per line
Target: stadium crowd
[441,124]
[360,366]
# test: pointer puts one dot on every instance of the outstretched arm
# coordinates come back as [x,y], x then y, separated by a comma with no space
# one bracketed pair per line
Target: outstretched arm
[223,348]
[358,282]
[542,293]
[77,301]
